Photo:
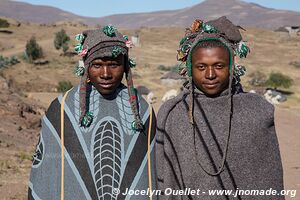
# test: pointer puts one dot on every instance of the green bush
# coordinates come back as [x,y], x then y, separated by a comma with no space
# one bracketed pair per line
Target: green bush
[258,79]
[163,68]
[61,40]
[169,68]
[277,79]
[13,60]
[64,86]
[3,23]
[5,61]
[33,50]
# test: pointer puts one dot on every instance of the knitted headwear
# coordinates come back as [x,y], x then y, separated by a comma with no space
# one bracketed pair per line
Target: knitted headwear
[99,43]
[228,34]
[220,29]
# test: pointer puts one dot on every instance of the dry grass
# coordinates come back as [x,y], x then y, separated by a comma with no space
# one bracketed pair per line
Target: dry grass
[270,52]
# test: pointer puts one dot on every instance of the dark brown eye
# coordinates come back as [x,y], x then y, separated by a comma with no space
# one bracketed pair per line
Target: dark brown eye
[219,66]
[201,67]
[114,65]
[96,65]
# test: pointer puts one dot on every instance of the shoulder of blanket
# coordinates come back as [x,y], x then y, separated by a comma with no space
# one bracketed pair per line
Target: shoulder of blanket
[167,107]
[143,104]
[142,101]
[256,103]
[56,103]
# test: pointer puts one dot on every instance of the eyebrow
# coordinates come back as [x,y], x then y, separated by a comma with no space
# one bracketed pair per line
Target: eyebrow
[218,62]
[97,61]
[101,61]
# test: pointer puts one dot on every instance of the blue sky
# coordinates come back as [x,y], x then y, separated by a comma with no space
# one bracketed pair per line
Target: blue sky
[99,8]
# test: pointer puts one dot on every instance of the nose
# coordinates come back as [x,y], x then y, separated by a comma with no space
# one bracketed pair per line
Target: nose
[210,73]
[105,73]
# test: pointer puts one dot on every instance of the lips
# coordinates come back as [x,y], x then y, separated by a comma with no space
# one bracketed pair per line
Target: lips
[105,85]
[210,85]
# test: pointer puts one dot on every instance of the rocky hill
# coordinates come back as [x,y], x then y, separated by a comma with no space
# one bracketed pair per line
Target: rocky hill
[240,12]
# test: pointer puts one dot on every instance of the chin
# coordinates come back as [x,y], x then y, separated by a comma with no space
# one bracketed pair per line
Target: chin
[212,93]
[105,91]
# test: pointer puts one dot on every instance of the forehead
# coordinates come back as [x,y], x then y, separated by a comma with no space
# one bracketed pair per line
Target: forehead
[108,59]
[211,53]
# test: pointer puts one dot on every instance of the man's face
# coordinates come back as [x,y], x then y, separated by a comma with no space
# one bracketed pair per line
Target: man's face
[210,70]
[106,74]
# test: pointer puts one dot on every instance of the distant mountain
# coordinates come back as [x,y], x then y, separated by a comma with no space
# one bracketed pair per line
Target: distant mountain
[36,14]
[240,12]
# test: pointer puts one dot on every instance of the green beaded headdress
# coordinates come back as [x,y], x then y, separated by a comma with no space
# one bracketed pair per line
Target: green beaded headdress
[220,29]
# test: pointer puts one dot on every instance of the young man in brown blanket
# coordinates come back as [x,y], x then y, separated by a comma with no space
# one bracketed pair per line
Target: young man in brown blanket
[215,141]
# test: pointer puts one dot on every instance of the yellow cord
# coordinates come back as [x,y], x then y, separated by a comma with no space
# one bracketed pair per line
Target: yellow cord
[149,153]
[62,142]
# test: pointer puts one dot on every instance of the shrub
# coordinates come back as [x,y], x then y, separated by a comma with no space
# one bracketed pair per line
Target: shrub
[33,50]
[163,68]
[13,60]
[64,86]
[5,61]
[258,79]
[277,79]
[3,23]
[169,68]
[61,40]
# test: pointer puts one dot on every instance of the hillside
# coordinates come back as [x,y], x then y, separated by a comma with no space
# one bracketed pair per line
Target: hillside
[240,12]
[270,51]
[26,89]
